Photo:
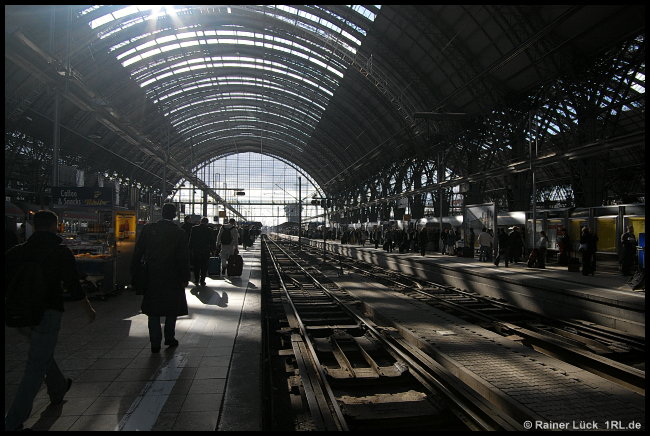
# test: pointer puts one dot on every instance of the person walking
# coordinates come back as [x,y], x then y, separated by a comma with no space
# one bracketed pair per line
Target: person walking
[376,235]
[164,249]
[187,226]
[502,237]
[485,242]
[227,240]
[451,242]
[515,245]
[201,245]
[423,239]
[472,242]
[542,247]
[563,246]
[363,236]
[628,246]
[388,239]
[58,267]
[588,251]
[443,242]
[246,237]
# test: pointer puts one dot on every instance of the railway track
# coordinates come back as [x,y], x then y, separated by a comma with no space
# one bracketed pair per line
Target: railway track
[600,350]
[341,371]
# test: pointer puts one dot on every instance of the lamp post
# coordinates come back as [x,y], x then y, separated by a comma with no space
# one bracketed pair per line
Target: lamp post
[299,213]
[532,171]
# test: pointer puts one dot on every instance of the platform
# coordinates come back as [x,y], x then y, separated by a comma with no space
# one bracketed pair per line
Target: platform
[605,299]
[210,381]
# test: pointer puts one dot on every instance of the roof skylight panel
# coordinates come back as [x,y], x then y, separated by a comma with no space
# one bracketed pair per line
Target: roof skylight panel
[240,63]
[312,57]
[257,98]
[639,83]
[278,92]
[230,124]
[227,110]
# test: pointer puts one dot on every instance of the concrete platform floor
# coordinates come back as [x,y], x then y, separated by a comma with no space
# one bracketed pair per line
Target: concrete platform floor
[210,381]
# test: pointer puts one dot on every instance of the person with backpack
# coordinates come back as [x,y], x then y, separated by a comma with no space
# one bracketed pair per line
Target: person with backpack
[34,273]
[228,239]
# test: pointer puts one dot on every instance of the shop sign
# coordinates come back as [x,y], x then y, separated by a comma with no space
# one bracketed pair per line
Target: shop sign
[82,197]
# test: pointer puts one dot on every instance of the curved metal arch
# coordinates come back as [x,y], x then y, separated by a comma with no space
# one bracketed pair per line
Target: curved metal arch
[222,106]
[200,101]
[254,15]
[313,144]
[226,63]
[315,39]
[205,132]
[203,44]
[254,124]
[209,125]
[205,88]
[253,22]
[191,95]
[333,49]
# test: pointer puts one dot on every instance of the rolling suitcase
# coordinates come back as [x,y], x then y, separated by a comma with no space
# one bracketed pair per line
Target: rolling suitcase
[214,265]
[235,265]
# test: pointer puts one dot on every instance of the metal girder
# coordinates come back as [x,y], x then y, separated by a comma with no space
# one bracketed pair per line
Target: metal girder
[583,152]
[83,97]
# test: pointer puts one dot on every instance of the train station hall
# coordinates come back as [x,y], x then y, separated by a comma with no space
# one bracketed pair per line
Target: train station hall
[325,217]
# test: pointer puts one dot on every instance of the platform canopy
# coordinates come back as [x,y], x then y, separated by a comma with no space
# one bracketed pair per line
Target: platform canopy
[332,89]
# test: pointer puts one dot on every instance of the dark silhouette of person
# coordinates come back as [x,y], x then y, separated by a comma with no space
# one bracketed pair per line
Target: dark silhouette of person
[164,249]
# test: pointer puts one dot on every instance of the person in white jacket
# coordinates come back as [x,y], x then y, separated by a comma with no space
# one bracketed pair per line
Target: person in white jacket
[227,240]
[485,242]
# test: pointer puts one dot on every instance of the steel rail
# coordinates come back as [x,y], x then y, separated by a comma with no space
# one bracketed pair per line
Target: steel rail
[428,380]
[625,375]
[333,403]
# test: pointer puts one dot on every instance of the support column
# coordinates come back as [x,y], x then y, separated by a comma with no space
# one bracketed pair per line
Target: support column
[205,203]
[56,140]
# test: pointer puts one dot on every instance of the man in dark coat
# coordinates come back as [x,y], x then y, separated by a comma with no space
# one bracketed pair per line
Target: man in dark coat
[202,243]
[423,239]
[164,249]
[589,240]
[246,237]
[504,250]
[58,267]
[187,226]
[628,245]
[515,245]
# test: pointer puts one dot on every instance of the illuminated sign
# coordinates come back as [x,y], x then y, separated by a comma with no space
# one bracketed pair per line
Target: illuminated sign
[82,197]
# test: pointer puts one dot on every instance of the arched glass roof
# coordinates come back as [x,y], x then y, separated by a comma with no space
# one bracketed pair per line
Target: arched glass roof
[152,91]
[228,74]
